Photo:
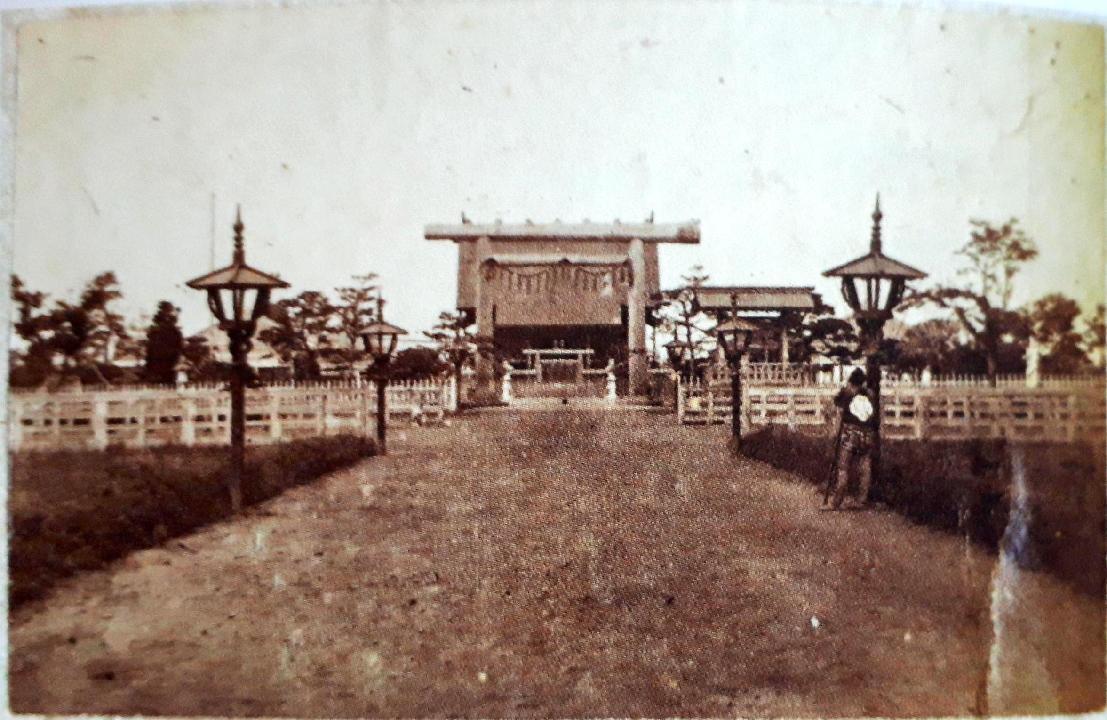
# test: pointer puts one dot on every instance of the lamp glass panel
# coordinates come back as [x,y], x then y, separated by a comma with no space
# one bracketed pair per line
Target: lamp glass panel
[894,296]
[261,303]
[850,293]
[372,344]
[741,340]
[882,287]
[215,304]
[727,340]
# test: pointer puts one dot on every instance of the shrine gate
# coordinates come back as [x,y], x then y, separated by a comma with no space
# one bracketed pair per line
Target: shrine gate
[566,286]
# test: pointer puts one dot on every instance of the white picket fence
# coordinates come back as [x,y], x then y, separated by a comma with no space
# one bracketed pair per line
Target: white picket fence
[200,414]
[918,412]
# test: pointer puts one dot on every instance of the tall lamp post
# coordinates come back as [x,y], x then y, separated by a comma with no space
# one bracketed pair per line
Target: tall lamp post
[734,336]
[380,341]
[872,286]
[237,296]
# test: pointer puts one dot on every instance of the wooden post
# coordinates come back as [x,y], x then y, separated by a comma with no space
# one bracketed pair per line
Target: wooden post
[636,319]
[679,385]
[366,403]
[15,422]
[55,417]
[141,409]
[188,423]
[736,403]
[239,346]
[921,411]
[100,423]
[1070,425]
[382,413]
[321,414]
[274,417]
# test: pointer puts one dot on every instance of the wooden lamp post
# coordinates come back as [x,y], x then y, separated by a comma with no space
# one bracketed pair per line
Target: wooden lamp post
[380,342]
[237,296]
[680,358]
[734,336]
[873,286]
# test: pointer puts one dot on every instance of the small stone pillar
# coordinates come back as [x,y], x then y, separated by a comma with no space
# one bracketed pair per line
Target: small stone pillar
[451,394]
[505,391]
[1033,357]
[927,376]
[611,395]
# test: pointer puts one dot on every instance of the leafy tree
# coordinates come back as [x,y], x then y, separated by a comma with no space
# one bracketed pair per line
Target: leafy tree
[34,363]
[196,351]
[1095,336]
[28,306]
[417,363]
[827,335]
[164,344]
[356,307]
[680,315]
[300,321]
[455,340]
[70,339]
[1052,321]
[931,343]
[995,255]
[105,325]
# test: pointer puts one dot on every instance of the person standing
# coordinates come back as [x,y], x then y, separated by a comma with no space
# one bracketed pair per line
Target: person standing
[858,429]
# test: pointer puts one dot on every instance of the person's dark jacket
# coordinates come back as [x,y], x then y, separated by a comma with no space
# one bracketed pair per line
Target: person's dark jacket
[844,397]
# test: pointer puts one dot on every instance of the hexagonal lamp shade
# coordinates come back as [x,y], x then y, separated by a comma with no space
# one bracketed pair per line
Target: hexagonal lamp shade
[237,294]
[380,339]
[679,351]
[873,284]
[734,335]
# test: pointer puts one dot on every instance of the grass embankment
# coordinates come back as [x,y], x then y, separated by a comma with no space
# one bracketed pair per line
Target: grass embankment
[967,487]
[77,510]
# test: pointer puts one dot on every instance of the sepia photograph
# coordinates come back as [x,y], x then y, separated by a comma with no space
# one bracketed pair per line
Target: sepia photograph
[497,359]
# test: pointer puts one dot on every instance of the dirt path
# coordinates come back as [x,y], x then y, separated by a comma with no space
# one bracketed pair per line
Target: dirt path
[555,564]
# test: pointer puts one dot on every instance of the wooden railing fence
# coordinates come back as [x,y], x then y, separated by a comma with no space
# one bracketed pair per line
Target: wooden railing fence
[200,415]
[932,413]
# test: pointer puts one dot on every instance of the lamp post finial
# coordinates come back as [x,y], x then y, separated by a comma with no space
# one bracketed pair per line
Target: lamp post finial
[239,242]
[875,244]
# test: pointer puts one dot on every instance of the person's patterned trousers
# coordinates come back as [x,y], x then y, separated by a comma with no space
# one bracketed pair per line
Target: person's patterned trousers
[855,451]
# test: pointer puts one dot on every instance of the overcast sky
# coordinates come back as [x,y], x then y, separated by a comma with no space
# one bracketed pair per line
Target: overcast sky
[343,129]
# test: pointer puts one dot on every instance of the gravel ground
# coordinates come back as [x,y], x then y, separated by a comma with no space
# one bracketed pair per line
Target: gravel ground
[558,563]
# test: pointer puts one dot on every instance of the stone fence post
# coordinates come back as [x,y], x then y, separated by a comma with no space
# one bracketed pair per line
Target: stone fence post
[15,422]
[1033,358]
[505,391]
[275,429]
[451,394]
[188,422]
[100,423]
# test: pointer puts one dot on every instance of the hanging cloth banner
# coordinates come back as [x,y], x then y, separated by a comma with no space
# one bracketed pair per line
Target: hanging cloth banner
[532,279]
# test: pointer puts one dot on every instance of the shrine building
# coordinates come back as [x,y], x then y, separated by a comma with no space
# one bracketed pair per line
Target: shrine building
[772,309]
[562,287]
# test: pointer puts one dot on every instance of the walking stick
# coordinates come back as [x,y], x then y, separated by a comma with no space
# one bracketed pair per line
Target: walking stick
[833,463]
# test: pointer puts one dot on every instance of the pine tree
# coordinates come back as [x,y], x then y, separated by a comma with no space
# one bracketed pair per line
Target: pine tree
[164,344]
